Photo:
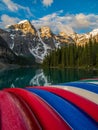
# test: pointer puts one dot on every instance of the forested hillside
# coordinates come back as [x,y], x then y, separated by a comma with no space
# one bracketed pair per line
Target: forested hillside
[74,56]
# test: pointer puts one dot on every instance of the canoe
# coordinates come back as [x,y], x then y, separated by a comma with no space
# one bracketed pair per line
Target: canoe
[48,118]
[93,81]
[64,106]
[15,114]
[87,86]
[67,110]
[82,92]
[80,102]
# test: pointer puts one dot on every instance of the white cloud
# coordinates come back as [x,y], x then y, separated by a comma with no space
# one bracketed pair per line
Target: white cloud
[6,20]
[15,7]
[47,2]
[68,23]
[82,21]
[11,5]
[2,7]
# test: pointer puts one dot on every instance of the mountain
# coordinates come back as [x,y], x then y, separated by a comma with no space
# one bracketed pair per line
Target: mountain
[27,42]
[65,39]
[6,54]
[24,27]
[47,36]
[82,39]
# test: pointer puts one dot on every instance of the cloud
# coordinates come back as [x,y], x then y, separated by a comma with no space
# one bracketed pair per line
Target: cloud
[81,21]
[67,23]
[15,7]
[47,2]
[6,20]
[11,5]
[2,7]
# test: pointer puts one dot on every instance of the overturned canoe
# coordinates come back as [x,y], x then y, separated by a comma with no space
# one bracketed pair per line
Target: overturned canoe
[64,106]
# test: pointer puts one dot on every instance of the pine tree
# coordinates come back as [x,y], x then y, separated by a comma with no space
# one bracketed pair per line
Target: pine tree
[72,55]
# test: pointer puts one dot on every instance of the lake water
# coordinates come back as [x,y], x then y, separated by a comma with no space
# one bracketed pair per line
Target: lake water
[23,77]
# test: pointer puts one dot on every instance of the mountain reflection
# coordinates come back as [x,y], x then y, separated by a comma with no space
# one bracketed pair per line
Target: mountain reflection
[23,77]
[39,79]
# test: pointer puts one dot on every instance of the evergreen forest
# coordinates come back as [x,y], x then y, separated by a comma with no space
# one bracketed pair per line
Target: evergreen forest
[74,56]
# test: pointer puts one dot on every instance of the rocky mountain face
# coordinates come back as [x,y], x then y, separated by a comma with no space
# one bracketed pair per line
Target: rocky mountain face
[27,41]
[6,54]
[24,27]
[22,40]
[82,39]
[65,39]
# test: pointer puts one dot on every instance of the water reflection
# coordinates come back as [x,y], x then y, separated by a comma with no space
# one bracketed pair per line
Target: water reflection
[23,77]
[39,79]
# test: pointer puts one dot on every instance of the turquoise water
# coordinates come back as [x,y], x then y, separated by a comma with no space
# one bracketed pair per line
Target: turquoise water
[23,77]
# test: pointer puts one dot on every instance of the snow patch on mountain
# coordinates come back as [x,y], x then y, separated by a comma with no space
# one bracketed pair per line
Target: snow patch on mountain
[12,37]
[26,40]
[94,32]
[23,21]
[40,46]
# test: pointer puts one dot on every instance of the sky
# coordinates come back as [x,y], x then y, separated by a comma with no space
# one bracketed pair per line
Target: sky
[79,16]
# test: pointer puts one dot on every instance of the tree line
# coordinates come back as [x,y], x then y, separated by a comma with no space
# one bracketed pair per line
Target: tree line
[74,56]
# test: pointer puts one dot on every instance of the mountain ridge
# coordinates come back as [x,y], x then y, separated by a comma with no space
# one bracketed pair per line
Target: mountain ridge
[25,40]
[62,37]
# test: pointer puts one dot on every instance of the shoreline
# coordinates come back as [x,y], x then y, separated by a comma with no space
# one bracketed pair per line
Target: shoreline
[85,68]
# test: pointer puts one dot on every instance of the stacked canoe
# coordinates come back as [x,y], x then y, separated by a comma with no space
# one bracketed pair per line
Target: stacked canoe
[67,106]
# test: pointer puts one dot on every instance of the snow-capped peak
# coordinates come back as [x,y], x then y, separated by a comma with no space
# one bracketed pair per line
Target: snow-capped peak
[23,21]
[7,26]
[94,32]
